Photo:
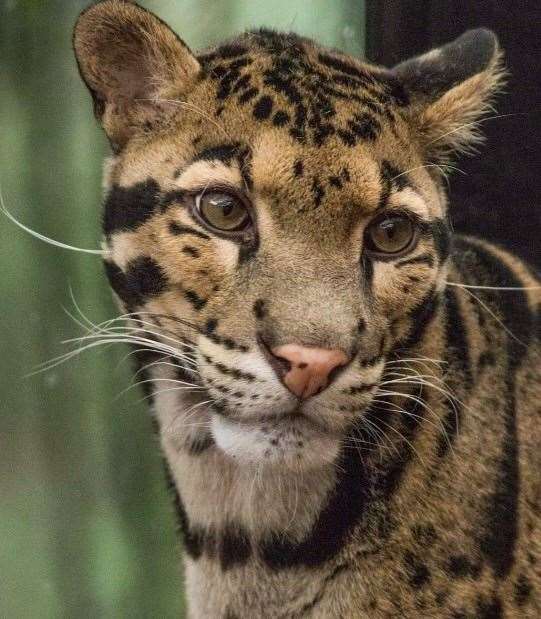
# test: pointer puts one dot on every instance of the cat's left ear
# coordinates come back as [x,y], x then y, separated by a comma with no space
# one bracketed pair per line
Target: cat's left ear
[450,89]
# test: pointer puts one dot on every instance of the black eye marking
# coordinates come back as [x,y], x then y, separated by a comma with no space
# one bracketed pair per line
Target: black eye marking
[298,168]
[128,208]
[191,251]
[177,230]
[263,108]
[259,309]
[197,301]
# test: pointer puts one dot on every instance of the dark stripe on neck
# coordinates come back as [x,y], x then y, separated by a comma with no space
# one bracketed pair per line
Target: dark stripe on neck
[459,368]
[499,533]
[342,512]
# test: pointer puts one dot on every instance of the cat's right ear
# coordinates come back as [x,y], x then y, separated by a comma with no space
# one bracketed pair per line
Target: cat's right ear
[134,65]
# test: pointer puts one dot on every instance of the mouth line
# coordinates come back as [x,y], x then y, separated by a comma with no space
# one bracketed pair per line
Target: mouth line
[295,417]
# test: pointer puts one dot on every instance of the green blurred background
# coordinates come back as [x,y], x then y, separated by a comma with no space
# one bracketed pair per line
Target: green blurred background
[86,526]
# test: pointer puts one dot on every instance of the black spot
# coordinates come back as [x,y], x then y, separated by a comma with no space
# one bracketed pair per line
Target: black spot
[361,325]
[424,534]
[460,566]
[318,191]
[211,325]
[280,119]
[418,572]
[259,309]
[298,168]
[364,126]
[127,208]
[489,609]
[221,152]
[335,181]
[224,52]
[263,108]
[241,84]
[177,230]
[248,95]
[191,251]
[235,547]
[523,590]
[197,302]
[343,66]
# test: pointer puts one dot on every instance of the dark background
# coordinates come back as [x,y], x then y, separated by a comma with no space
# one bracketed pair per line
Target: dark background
[498,197]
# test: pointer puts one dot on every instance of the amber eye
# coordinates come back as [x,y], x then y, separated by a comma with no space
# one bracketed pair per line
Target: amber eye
[390,234]
[222,211]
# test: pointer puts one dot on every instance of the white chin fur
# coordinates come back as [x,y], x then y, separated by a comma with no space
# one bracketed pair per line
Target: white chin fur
[295,445]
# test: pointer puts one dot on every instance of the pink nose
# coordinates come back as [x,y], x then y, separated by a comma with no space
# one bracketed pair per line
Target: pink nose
[310,367]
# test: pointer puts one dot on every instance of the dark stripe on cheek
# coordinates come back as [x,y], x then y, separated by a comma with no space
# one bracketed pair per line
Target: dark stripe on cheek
[367,269]
[421,317]
[127,208]
[142,279]
[197,302]
[439,232]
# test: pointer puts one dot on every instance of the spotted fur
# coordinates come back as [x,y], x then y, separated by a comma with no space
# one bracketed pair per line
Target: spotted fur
[410,486]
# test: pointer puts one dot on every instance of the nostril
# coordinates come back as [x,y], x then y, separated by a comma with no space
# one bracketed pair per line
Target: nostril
[280,365]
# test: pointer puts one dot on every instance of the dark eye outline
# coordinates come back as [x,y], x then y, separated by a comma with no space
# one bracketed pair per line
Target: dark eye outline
[245,234]
[383,255]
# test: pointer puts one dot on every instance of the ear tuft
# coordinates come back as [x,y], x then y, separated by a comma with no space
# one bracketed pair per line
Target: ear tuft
[133,64]
[451,88]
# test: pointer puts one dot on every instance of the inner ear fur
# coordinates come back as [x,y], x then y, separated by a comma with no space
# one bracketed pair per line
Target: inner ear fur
[134,65]
[452,87]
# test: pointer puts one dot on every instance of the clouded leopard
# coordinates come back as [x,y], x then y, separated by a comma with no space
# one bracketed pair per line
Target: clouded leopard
[346,393]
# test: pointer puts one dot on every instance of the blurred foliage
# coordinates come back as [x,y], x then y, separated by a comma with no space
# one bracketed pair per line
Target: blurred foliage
[86,526]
